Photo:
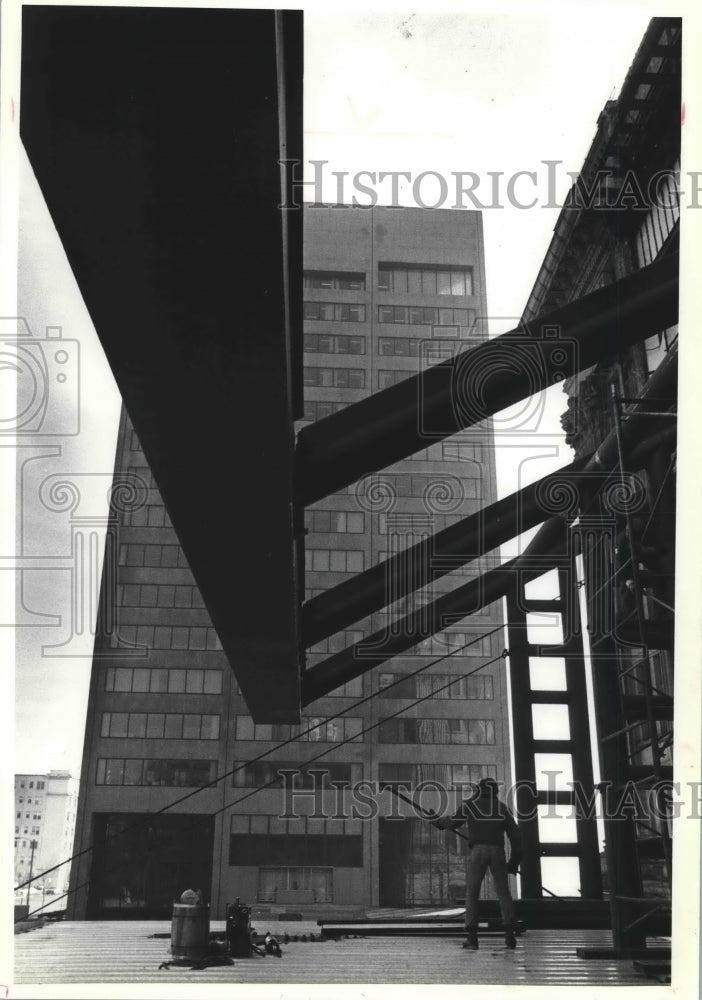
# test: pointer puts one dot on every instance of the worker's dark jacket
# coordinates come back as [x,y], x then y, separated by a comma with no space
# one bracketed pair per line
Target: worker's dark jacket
[485,820]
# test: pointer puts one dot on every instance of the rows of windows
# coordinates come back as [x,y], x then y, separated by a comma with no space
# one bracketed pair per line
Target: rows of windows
[317,409]
[461,451]
[351,689]
[30,784]
[160,725]
[440,644]
[427,316]
[352,522]
[334,560]
[448,731]
[346,312]
[335,643]
[344,281]
[152,555]
[150,516]
[447,451]
[424,279]
[35,831]
[415,347]
[158,680]
[340,378]
[147,595]
[137,771]
[334,343]
[265,825]
[317,881]
[320,774]
[446,775]
[474,688]
[257,840]
[163,637]
[310,730]
[414,526]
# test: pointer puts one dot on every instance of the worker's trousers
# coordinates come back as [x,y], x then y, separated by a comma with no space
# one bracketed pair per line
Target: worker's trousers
[482,857]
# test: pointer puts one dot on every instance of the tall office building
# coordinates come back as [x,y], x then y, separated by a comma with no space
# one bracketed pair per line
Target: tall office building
[45,823]
[387,292]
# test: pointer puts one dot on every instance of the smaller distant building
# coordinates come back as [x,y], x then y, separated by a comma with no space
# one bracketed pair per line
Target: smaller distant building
[45,816]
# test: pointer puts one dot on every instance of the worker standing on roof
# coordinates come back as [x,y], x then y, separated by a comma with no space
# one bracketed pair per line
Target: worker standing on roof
[488,819]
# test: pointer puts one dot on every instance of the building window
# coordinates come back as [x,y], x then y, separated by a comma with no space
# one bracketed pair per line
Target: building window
[40,786]
[344,281]
[266,772]
[159,680]
[335,643]
[338,312]
[334,560]
[310,730]
[438,644]
[447,775]
[159,725]
[334,343]
[163,596]
[401,347]
[318,881]
[476,688]
[340,378]
[427,316]
[303,840]
[446,731]
[425,279]
[460,451]
[172,773]
[317,409]
[352,689]
[335,521]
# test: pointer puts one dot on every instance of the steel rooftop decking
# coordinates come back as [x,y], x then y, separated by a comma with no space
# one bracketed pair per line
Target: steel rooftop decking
[115,952]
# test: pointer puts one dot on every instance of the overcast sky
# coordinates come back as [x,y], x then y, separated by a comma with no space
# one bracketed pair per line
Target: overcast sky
[389,92]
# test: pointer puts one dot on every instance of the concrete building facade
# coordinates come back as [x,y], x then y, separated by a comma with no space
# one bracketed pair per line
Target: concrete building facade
[181,789]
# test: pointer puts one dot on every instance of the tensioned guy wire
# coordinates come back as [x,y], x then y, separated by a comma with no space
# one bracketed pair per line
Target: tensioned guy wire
[279,746]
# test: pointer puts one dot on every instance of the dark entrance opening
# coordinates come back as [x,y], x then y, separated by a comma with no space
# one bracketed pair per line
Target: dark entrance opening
[419,865]
[142,864]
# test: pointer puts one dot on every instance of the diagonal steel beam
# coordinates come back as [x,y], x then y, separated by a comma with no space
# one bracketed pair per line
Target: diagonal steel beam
[463,390]
[548,546]
[542,553]
[432,558]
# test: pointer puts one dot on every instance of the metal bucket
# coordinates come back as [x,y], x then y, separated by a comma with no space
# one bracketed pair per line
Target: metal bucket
[190,930]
